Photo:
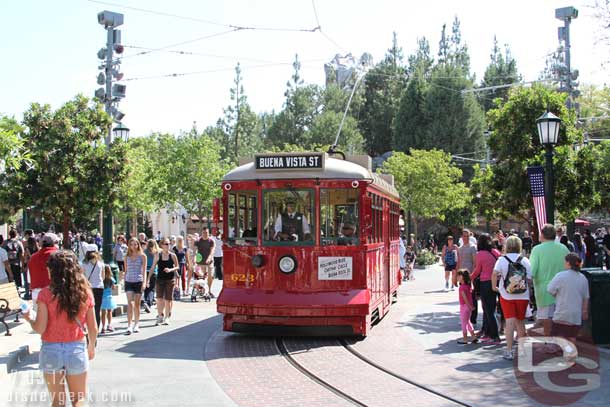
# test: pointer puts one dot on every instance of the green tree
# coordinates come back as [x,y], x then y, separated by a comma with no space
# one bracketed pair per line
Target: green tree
[514,146]
[300,108]
[73,174]
[12,150]
[502,70]
[241,131]
[196,173]
[594,104]
[383,86]
[429,185]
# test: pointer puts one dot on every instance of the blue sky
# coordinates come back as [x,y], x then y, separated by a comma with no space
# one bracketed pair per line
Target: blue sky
[49,48]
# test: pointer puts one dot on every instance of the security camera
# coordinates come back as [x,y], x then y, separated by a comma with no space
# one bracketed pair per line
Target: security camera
[109,18]
[566,13]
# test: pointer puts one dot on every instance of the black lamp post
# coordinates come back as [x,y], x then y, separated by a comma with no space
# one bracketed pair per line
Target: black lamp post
[548,132]
[121,132]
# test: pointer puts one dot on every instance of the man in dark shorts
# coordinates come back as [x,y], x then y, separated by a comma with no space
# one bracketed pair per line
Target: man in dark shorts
[204,258]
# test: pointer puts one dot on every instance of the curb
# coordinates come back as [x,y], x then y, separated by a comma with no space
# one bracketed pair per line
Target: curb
[15,357]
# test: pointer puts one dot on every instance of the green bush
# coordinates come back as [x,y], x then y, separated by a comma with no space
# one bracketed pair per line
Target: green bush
[426,258]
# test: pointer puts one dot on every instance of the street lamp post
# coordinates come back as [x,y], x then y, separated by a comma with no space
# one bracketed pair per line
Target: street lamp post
[548,133]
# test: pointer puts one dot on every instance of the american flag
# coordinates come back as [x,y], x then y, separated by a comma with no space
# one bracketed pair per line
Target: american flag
[536,177]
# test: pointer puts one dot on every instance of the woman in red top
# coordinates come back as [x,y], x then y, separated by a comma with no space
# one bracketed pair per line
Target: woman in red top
[64,307]
[485,262]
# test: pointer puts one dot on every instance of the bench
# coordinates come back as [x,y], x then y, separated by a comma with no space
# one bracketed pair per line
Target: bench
[9,303]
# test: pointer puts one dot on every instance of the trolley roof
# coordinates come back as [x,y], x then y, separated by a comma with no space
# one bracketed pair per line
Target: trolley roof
[332,168]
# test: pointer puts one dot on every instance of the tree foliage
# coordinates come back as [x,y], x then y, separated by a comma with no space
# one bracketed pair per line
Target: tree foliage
[502,70]
[72,173]
[514,146]
[427,182]
[383,86]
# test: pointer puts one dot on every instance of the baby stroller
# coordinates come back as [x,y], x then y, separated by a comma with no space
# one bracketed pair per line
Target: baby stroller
[198,283]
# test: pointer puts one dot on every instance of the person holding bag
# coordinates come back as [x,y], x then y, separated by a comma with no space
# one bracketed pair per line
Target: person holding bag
[65,307]
[93,268]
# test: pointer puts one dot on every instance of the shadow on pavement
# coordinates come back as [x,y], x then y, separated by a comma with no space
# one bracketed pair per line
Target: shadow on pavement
[187,342]
[500,365]
[433,322]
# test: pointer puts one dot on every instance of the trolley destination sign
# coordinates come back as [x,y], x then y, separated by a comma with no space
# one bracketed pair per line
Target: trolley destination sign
[291,161]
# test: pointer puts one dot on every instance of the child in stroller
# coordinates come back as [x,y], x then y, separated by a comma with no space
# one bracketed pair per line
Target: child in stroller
[199,285]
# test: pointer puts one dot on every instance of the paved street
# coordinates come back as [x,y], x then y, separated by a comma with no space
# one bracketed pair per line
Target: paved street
[192,362]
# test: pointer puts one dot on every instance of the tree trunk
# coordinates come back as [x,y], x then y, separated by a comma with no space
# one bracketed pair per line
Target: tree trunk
[67,221]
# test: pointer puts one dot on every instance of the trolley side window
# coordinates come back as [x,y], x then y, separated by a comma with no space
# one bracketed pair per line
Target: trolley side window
[339,223]
[288,217]
[242,217]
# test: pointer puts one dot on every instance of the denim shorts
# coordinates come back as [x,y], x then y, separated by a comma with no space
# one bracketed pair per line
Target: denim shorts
[70,357]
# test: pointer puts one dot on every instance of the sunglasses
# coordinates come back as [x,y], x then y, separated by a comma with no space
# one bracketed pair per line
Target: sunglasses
[164,244]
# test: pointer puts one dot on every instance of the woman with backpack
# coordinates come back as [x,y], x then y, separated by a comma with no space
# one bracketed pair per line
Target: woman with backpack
[515,274]
[449,257]
[485,261]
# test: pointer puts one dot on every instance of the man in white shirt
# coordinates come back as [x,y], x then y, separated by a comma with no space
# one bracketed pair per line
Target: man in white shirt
[291,225]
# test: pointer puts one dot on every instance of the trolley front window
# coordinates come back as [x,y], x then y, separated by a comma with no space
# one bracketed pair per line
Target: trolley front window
[339,223]
[288,217]
[242,217]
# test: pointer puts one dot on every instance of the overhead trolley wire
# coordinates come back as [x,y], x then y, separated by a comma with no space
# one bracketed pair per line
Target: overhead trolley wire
[204,21]
[319,28]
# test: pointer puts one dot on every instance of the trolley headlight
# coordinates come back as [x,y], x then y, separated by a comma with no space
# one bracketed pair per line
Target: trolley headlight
[287,264]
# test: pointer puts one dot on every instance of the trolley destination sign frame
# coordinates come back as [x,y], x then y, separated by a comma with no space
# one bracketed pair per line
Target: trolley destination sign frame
[289,161]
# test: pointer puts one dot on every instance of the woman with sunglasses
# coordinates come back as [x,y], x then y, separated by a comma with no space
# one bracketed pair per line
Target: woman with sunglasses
[135,275]
[167,266]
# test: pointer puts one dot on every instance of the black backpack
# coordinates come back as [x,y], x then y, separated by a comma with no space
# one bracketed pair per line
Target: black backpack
[13,250]
[515,281]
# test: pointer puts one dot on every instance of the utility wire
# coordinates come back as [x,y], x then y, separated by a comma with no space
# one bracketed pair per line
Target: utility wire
[319,28]
[176,75]
[205,37]
[201,20]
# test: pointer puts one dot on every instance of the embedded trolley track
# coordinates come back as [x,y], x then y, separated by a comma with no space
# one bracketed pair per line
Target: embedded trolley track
[347,397]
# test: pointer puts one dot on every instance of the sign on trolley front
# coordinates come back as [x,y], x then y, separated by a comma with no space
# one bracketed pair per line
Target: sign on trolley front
[334,268]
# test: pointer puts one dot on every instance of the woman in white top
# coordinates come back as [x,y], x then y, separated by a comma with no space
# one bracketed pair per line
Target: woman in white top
[93,268]
[514,290]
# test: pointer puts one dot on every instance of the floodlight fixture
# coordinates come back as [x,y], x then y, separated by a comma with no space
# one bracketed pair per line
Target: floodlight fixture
[109,19]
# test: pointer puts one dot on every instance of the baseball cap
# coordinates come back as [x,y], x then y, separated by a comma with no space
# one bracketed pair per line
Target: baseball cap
[50,238]
[91,248]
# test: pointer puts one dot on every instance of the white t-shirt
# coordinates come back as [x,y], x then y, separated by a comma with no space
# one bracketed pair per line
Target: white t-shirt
[217,247]
[501,268]
[570,289]
[93,272]
[3,258]
[401,253]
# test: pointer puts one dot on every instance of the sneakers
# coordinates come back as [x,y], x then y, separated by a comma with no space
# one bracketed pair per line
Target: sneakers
[452,288]
[462,342]
[103,331]
[165,321]
[508,355]
[129,330]
[491,341]
[136,328]
[159,320]
[211,295]
[109,328]
[147,308]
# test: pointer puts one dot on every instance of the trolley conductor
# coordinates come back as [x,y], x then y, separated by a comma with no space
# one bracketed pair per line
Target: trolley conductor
[291,225]
[348,237]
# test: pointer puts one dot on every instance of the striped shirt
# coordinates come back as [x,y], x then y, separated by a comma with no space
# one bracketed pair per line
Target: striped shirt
[133,273]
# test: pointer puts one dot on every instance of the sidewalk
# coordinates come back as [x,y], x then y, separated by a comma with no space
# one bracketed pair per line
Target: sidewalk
[419,340]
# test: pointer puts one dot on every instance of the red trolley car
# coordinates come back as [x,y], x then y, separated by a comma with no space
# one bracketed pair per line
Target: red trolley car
[311,244]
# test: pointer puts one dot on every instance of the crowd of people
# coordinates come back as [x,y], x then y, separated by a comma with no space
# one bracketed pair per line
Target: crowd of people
[72,291]
[515,280]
